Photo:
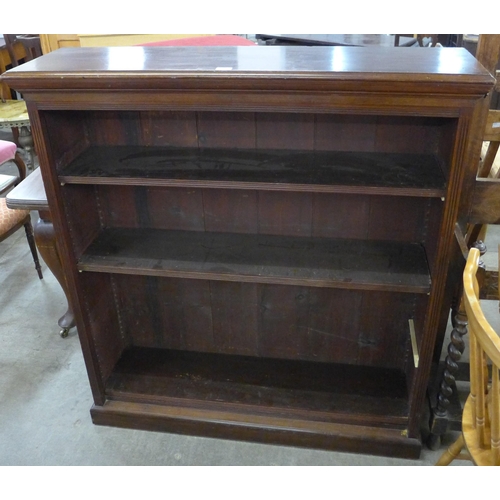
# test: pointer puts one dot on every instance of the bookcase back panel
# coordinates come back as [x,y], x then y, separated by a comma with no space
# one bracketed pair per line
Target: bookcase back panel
[269,212]
[249,130]
[270,321]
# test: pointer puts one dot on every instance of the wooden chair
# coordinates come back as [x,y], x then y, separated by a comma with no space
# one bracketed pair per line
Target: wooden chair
[31,44]
[12,220]
[481,416]
[415,39]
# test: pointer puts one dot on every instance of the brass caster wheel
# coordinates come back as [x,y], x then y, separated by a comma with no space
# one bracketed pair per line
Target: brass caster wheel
[64,332]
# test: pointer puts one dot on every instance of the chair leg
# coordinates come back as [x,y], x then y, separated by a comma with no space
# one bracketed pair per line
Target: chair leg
[31,241]
[452,452]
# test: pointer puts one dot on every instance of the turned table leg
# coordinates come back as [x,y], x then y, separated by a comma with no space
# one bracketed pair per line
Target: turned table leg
[25,140]
[46,242]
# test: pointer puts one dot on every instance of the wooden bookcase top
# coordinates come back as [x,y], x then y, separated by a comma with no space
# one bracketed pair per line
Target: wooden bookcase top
[163,67]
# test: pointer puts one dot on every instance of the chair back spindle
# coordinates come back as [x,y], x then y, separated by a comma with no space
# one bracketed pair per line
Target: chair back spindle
[484,353]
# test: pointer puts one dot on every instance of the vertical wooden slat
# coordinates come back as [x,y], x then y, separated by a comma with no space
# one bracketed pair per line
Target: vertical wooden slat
[409,224]
[176,208]
[117,128]
[488,51]
[235,317]
[405,135]
[333,323]
[230,211]
[284,131]
[285,213]
[138,309]
[187,314]
[474,375]
[495,416]
[283,315]
[117,206]
[175,331]
[345,133]
[226,130]
[383,332]
[480,395]
[340,216]
[176,129]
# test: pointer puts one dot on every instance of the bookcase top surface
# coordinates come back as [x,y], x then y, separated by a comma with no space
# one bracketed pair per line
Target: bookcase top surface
[67,66]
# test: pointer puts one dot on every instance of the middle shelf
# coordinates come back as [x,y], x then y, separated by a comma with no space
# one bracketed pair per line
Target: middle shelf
[260,258]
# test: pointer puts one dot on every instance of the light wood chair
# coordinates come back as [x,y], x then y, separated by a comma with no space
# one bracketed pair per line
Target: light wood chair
[481,415]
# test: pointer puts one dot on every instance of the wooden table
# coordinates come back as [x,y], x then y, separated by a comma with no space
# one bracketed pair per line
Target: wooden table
[30,195]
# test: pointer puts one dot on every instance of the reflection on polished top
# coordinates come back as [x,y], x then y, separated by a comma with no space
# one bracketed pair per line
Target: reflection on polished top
[375,70]
[256,59]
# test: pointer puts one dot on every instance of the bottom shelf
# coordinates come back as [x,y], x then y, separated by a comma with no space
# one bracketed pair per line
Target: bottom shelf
[298,403]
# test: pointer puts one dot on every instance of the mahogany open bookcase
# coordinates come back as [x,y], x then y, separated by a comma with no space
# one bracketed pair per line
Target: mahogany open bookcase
[256,239]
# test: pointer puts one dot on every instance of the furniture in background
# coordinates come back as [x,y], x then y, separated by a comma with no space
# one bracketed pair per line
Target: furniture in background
[58,41]
[327,40]
[480,435]
[30,43]
[54,41]
[348,40]
[6,62]
[12,220]
[199,41]
[14,116]
[256,245]
[30,195]
[17,49]
[421,40]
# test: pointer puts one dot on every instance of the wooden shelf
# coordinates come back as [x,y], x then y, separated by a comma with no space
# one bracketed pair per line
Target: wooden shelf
[315,171]
[321,391]
[321,262]
[249,235]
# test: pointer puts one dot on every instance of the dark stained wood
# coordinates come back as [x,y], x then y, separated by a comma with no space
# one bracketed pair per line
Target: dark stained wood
[312,171]
[235,328]
[262,244]
[226,130]
[181,131]
[328,391]
[235,211]
[285,213]
[485,205]
[349,264]
[253,68]
[280,131]
[107,343]
[267,429]
[262,320]
[488,51]
[82,216]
